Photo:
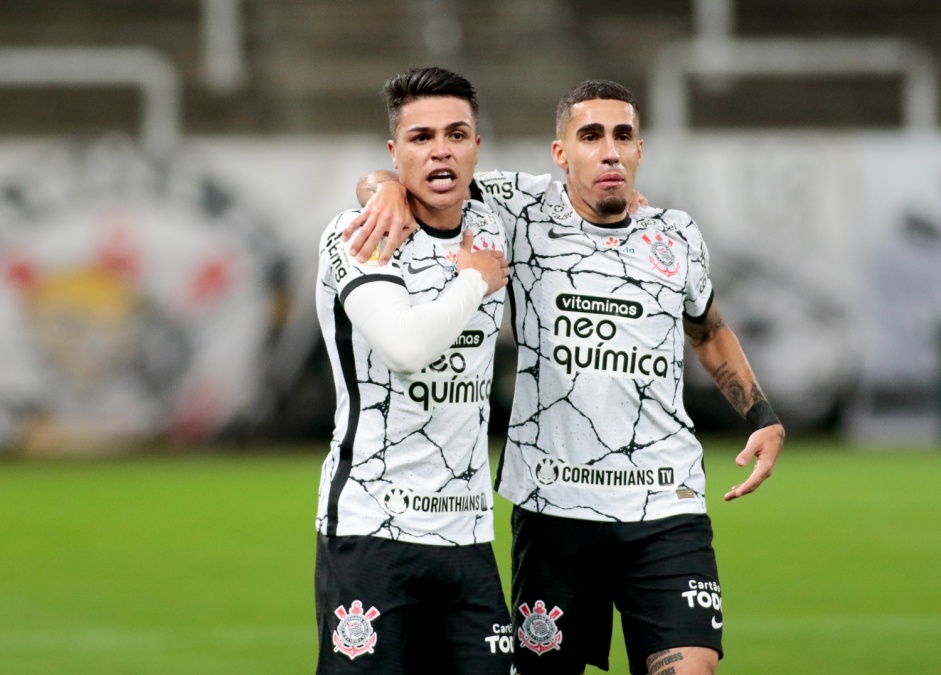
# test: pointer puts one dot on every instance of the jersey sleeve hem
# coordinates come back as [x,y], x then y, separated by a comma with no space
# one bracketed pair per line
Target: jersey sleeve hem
[356,283]
[701,317]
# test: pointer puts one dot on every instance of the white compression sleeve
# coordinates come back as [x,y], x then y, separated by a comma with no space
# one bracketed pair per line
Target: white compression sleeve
[408,338]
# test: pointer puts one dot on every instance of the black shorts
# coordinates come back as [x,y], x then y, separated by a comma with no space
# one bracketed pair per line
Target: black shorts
[567,574]
[385,606]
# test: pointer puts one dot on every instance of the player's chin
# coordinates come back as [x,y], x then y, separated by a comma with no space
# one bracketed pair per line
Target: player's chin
[611,205]
[438,199]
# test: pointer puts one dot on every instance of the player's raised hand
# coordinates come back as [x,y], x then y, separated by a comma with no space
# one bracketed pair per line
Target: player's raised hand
[764,446]
[386,214]
[491,264]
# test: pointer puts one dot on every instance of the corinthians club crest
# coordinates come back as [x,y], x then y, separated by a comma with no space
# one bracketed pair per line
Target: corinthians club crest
[547,471]
[355,634]
[539,632]
[661,255]
[396,501]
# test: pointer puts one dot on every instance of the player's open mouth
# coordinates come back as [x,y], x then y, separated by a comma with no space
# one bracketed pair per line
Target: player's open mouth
[442,180]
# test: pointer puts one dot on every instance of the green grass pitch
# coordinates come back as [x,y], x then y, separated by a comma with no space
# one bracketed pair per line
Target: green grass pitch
[204,564]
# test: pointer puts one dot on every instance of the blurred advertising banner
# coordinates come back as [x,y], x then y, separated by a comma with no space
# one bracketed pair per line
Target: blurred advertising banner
[900,303]
[152,298]
[135,299]
[163,298]
[826,253]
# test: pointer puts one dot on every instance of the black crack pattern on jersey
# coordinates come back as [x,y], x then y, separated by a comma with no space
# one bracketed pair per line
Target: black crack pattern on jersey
[425,451]
[552,250]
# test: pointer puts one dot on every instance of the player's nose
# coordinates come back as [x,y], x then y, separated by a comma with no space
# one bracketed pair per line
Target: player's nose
[441,148]
[609,150]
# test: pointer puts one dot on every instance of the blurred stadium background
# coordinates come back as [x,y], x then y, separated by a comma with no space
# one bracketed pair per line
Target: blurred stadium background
[166,169]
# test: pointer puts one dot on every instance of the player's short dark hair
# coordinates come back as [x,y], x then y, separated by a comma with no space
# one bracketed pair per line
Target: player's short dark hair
[423,83]
[590,90]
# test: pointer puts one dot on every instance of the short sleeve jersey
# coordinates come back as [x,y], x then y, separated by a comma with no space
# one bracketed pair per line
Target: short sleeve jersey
[409,458]
[598,430]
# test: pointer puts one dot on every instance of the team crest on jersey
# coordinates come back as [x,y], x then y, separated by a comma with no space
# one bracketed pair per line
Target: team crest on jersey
[482,244]
[661,255]
[546,471]
[450,261]
[355,635]
[396,501]
[539,632]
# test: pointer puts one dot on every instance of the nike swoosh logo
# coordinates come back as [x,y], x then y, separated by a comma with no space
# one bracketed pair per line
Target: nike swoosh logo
[716,624]
[558,234]
[418,270]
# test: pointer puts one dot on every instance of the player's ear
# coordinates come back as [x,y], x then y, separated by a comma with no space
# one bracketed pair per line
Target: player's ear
[558,156]
[391,146]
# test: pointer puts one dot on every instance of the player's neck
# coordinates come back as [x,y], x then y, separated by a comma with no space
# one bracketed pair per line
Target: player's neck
[445,219]
[595,218]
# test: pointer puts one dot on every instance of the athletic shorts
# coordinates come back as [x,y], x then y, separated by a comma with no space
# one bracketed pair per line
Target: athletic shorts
[568,574]
[387,607]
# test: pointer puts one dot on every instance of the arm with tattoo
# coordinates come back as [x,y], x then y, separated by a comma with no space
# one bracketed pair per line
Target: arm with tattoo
[720,353]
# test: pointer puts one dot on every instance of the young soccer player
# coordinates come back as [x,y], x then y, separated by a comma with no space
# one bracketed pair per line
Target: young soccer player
[406,579]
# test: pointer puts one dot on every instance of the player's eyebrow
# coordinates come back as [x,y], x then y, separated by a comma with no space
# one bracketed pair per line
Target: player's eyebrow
[624,129]
[460,124]
[598,129]
[591,128]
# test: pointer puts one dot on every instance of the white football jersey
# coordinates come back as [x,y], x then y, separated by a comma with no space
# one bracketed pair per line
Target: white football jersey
[598,430]
[408,459]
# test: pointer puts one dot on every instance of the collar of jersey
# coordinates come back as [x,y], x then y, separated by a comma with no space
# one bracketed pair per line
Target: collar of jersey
[441,234]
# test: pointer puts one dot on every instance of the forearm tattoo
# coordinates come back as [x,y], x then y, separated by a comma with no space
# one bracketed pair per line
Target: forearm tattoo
[659,663]
[730,384]
[727,379]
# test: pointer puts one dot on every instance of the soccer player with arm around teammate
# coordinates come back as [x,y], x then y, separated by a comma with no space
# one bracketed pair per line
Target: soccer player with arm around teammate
[601,459]
[406,580]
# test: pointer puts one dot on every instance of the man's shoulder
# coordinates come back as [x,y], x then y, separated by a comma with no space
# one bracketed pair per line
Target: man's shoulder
[507,184]
[480,213]
[663,219]
[336,226]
